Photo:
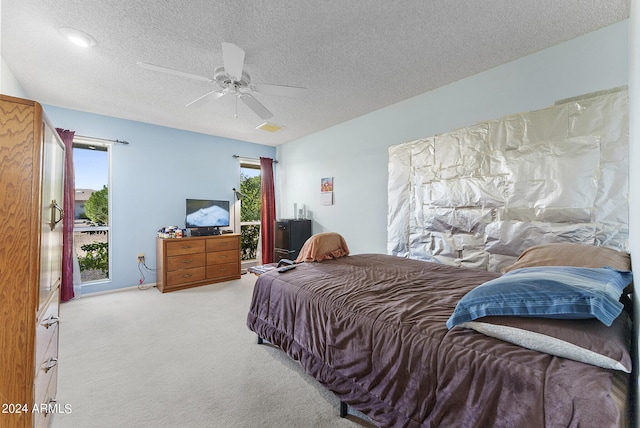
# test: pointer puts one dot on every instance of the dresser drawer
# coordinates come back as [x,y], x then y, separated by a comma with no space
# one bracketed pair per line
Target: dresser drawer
[47,331]
[223,270]
[223,257]
[222,243]
[47,353]
[184,276]
[179,247]
[45,396]
[46,371]
[185,262]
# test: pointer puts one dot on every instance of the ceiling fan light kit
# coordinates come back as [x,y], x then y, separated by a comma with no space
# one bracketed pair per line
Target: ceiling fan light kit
[231,79]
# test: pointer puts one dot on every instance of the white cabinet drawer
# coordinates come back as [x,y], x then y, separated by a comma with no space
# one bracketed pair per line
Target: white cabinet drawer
[47,331]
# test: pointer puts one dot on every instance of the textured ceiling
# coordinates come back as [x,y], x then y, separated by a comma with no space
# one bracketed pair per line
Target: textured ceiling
[353,56]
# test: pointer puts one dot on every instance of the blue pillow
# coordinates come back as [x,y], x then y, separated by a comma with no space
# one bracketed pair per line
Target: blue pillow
[547,292]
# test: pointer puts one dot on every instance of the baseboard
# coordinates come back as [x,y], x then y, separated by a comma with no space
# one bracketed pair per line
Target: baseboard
[117,290]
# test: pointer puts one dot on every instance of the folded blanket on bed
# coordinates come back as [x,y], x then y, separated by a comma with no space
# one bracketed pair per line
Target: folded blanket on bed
[322,246]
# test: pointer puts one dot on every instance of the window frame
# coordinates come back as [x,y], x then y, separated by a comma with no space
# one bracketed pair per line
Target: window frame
[88,143]
[249,164]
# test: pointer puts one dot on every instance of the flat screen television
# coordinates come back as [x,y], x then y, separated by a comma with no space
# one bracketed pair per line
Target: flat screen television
[207,213]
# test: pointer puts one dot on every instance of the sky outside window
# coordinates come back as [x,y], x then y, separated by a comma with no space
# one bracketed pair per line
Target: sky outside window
[91,168]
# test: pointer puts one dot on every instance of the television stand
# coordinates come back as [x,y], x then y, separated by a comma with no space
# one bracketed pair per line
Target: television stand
[205,231]
[196,260]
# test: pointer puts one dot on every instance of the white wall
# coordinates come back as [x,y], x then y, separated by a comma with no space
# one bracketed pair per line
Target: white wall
[151,178]
[634,176]
[355,152]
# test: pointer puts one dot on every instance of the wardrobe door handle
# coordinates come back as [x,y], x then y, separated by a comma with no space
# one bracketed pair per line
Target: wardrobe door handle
[55,208]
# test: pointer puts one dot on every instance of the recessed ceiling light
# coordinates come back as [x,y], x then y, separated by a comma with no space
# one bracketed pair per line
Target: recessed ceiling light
[77,37]
[270,127]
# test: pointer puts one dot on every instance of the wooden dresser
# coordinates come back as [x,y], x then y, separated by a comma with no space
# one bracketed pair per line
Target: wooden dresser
[31,197]
[197,260]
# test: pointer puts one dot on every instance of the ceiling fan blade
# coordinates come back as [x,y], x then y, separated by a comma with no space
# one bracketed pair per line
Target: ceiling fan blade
[256,106]
[216,93]
[172,71]
[233,59]
[279,90]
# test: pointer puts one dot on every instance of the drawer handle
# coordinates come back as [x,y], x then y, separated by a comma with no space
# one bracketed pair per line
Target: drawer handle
[52,320]
[186,247]
[222,256]
[51,363]
[49,406]
[187,275]
[187,261]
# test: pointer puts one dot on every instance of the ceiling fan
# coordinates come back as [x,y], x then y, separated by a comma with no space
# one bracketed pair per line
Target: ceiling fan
[231,79]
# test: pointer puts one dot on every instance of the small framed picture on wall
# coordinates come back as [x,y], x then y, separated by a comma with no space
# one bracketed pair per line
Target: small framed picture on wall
[326,191]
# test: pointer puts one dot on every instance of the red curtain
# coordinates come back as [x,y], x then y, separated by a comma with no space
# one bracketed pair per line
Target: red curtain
[66,288]
[268,211]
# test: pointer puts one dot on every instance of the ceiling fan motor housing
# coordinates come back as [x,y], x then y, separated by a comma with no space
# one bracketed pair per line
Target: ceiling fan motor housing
[225,81]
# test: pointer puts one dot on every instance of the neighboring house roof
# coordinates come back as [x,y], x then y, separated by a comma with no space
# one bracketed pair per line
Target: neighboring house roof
[83,195]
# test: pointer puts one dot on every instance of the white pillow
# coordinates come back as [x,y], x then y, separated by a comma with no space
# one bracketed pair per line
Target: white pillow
[547,344]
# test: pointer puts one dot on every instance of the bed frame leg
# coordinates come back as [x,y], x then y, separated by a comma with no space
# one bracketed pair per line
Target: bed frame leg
[260,340]
[344,411]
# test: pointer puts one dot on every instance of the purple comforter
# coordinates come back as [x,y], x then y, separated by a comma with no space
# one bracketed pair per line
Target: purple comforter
[371,328]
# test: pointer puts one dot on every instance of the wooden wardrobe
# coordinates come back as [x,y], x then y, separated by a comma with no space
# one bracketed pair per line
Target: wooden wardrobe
[31,200]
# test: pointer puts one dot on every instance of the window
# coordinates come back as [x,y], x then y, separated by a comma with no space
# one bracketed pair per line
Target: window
[249,208]
[91,228]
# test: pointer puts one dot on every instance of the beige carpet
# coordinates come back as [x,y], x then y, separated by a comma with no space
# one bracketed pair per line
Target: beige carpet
[184,359]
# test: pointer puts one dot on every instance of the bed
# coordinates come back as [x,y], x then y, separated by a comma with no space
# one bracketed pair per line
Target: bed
[372,328]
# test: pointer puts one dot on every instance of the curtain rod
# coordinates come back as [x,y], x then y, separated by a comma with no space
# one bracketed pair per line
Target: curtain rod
[249,159]
[101,139]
